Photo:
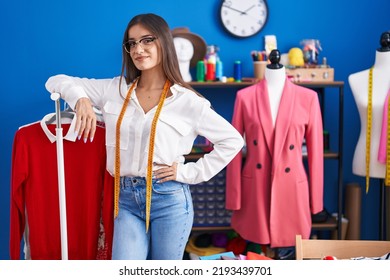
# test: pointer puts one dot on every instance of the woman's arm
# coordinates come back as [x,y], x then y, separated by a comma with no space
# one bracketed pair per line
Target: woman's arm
[81,94]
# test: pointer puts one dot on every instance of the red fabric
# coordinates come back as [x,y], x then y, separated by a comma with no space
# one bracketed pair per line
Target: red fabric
[237,245]
[34,190]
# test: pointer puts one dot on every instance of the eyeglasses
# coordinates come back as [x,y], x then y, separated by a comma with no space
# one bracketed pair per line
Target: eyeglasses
[144,42]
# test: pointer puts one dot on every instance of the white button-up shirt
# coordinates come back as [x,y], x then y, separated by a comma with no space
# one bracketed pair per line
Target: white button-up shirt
[184,116]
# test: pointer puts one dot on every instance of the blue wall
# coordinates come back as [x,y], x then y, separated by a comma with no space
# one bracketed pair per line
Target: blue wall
[41,38]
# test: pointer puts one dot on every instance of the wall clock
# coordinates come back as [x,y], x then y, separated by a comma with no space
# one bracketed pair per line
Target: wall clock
[243,18]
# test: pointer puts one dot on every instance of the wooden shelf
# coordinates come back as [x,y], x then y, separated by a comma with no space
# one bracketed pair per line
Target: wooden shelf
[194,157]
[212,228]
[244,84]
[220,84]
[330,224]
[321,84]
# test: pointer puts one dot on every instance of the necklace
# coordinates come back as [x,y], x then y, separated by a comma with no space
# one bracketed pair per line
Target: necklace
[150,152]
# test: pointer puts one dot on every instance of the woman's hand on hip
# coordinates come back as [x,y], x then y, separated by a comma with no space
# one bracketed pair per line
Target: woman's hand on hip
[86,119]
[165,172]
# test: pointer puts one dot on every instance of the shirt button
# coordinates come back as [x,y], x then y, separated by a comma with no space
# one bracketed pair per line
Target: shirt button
[258,166]
[291,147]
[255,142]
[287,170]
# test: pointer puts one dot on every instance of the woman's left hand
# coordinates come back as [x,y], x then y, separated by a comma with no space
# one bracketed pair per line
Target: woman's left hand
[165,172]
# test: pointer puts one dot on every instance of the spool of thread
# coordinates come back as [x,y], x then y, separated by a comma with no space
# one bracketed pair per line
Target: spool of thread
[218,70]
[210,74]
[237,71]
[200,71]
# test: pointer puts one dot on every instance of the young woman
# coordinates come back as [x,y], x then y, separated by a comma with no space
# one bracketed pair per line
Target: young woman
[152,118]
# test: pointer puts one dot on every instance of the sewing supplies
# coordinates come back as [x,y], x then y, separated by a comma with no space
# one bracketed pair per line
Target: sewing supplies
[237,71]
[200,71]
[259,56]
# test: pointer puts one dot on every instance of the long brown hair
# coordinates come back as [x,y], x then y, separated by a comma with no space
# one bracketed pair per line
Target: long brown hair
[159,28]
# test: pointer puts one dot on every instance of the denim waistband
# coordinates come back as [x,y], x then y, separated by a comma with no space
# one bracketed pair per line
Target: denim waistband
[134,181]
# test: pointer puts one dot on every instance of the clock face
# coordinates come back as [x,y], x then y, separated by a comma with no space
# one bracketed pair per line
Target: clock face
[244,18]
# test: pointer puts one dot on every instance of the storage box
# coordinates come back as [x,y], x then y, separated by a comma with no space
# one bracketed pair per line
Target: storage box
[209,202]
[317,74]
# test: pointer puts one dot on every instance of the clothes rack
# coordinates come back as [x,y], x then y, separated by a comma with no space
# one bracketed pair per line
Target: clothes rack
[61,178]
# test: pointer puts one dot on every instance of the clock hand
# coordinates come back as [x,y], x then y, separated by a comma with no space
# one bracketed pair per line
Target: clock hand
[235,9]
[248,9]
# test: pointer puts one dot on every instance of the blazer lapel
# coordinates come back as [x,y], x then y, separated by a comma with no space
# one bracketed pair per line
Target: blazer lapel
[265,114]
[283,120]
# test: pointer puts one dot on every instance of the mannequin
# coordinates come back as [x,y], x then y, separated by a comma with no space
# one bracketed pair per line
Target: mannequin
[275,115]
[275,75]
[184,51]
[380,86]
[190,48]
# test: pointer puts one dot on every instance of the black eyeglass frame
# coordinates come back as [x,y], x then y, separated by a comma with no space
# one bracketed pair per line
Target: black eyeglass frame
[144,42]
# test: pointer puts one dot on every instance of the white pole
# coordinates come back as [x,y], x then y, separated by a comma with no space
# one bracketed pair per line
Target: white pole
[61,179]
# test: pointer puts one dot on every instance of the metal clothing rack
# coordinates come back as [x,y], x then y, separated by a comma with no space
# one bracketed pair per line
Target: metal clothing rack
[61,177]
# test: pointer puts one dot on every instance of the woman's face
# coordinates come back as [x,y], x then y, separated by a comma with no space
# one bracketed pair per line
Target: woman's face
[143,48]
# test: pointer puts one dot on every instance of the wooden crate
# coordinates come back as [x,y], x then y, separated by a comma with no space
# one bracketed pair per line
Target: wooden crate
[311,74]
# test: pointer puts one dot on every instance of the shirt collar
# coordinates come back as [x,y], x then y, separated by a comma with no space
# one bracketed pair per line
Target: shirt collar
[70,136]
[176,88]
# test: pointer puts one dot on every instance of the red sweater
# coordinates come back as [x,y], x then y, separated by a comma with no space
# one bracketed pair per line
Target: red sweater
[34,191]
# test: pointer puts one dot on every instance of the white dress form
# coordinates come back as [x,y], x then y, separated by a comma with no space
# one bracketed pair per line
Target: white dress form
[275,83]
[380,86]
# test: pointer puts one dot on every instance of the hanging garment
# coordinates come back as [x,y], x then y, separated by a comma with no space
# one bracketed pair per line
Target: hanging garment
[271,194]
[34,190]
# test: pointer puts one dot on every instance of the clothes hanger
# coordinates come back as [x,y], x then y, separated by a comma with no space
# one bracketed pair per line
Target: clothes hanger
[68,113]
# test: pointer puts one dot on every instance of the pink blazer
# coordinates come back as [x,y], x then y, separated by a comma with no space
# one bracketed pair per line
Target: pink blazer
[271,193]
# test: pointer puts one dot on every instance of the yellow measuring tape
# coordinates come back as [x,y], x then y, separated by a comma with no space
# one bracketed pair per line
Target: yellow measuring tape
[387,178]
[117,148]
[368,135]
[149,172]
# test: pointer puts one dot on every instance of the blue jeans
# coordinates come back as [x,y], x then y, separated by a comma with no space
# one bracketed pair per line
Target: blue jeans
[171,218]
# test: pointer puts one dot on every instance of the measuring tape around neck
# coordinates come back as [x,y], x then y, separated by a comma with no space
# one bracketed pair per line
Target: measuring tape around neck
[117,149]
[149,172]
[369,125]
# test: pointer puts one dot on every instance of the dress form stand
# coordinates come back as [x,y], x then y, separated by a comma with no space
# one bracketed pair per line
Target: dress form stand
[275,75]
[385,47]
[359,83]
